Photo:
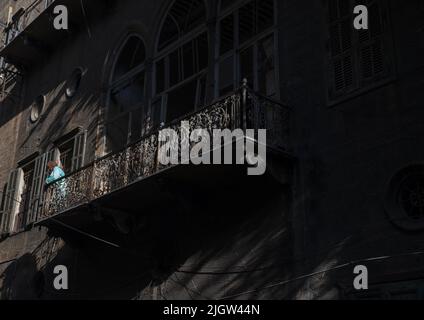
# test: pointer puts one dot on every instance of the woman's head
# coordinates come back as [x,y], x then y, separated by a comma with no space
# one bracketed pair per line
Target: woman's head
[51,165]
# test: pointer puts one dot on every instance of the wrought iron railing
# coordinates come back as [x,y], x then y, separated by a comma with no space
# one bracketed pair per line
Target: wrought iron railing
[23,18]
[242,110]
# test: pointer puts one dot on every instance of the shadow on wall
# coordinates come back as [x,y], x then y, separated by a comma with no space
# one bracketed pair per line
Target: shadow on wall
[20,280]
[199,244]
[23,279]
[10,105]
[195,245]
[62,114]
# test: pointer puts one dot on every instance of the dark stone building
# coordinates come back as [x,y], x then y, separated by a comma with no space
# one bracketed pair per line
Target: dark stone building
[344,184]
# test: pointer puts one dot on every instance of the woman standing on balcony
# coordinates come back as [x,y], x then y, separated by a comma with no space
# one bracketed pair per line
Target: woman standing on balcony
[56,172]
[56,194]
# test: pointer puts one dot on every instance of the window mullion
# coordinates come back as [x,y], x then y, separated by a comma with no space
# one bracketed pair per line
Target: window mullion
[255,67]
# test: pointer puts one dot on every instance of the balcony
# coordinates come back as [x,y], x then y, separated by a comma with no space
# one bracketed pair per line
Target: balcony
[31,34]
[134,181]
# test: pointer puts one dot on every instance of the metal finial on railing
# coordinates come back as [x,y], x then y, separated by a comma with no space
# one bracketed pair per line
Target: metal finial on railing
[244,88]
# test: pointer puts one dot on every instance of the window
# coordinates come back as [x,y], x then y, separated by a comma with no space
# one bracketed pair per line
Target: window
[358,59]
[182,61]
[126,96]
[25,198]
[132,55]
[35,193]
[404,200]
[184,16]
[12,200]
[70,151]
[411,197]
[247,48]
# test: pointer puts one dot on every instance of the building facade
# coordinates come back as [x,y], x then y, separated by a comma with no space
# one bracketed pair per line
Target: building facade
[345,179]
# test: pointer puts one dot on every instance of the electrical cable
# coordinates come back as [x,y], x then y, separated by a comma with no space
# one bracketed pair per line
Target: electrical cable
[302,277]
[85,19]
[306,276]
[302,259]
[86,234]
[288,259]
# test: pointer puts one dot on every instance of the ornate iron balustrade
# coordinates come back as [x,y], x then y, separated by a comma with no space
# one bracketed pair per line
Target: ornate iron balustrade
[67,193]
[242,110]
[23,18]
[266,113]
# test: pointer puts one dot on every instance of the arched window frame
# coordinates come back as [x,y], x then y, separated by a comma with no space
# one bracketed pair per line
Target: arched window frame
[136,113]
[159,102]
[233,56]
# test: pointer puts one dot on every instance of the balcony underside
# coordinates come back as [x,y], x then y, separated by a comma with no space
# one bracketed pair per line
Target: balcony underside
[172,191]
[40,38]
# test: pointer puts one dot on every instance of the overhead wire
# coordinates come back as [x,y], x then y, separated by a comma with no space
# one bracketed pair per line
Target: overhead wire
[313,274]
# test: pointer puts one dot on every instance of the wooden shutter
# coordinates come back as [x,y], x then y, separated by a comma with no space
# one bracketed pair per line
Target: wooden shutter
[371,41]
[78,156]
[358,58]
[38,183]
[12,201]
[341,46]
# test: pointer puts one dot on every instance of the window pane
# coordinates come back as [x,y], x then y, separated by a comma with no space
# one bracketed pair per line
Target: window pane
[188,59]
[127,96]
[227,34]
[169,33]
[265,14]
[226,76]
[66,152]
[184,16]
[266,66]
[181,101]
[202,92]
[156,112]
[246,66]
[160,76]
[202,51]
[117,133]
[226,3]
[136,118]
[247,22]
[174,68]
[132,55]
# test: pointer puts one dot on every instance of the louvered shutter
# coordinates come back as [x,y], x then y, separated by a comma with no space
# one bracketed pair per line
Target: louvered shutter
[78,156]
[341,46]
[358,58]
[12,201]
[37,188]
[371,41]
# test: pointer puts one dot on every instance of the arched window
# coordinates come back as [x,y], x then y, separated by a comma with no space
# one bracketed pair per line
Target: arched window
[181,62]
[246,36]
[126,95]
[184,16]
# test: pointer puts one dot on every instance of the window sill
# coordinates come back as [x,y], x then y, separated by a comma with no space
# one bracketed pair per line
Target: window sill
[331,103]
